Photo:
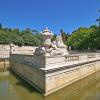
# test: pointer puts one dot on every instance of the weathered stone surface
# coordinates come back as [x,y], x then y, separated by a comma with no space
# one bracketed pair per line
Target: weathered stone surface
[52,74]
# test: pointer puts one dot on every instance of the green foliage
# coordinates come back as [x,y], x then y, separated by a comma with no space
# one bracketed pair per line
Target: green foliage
[81,39]
[85,38]
[65,36]
[25,37]
[54,37]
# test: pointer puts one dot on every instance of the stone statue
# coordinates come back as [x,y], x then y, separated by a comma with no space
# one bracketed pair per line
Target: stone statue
[60,43]
[54,48]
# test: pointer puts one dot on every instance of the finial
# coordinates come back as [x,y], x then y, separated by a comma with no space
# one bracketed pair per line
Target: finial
[46,28]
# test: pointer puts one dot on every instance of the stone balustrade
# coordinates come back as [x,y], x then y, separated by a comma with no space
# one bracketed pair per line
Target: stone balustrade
[91,55]
[82,57]
[5,50]
[69,60]
[72,58]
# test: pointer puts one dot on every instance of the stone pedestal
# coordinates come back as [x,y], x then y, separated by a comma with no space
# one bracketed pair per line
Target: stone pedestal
[50,54]
[48,62]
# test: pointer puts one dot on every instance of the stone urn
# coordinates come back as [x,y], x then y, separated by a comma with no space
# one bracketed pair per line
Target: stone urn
[47,35]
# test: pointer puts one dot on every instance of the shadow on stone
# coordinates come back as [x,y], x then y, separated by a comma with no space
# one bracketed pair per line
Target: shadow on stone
[23,83]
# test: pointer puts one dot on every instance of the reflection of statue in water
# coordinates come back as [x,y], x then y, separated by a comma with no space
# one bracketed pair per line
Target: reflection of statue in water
[56,47]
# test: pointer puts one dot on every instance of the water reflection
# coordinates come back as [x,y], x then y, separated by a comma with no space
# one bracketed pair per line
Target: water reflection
[14,88]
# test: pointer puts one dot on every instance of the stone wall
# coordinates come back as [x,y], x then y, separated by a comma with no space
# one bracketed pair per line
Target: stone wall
[6,49]
[60,78]
[51,78]
[33,76]
[28,50]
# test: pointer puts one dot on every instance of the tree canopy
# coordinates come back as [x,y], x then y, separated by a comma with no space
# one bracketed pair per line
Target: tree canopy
[25,37]
[83,38]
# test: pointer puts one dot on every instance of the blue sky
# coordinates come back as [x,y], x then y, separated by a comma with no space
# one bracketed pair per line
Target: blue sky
[55,14]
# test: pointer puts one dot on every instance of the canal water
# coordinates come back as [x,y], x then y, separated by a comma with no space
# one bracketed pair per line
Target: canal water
[14,88]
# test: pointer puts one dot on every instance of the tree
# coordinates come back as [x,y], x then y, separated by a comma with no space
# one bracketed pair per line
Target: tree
[0,25]
[64,36]
[54,37]
[82,38]
[35,31]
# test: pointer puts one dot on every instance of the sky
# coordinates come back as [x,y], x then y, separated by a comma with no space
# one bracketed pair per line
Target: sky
[54,14]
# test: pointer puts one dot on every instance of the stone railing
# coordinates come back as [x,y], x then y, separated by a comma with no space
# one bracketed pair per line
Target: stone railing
[27,50]
[72,58]
[69,60]
[82,57]
[91,55]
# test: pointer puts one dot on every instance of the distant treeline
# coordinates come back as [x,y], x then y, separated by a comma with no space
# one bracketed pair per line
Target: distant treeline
[85,38]
[26,37]
[82,38]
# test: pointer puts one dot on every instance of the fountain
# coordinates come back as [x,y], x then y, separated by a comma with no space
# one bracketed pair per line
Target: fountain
[51,67]
[52,53]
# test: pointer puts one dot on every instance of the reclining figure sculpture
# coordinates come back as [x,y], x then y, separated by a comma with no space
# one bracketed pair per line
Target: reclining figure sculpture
[54,48]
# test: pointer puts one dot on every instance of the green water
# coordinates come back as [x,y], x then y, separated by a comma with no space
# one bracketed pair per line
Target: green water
[14,88]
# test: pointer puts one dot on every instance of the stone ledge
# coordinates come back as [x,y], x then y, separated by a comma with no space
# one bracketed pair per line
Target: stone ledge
[47,71]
